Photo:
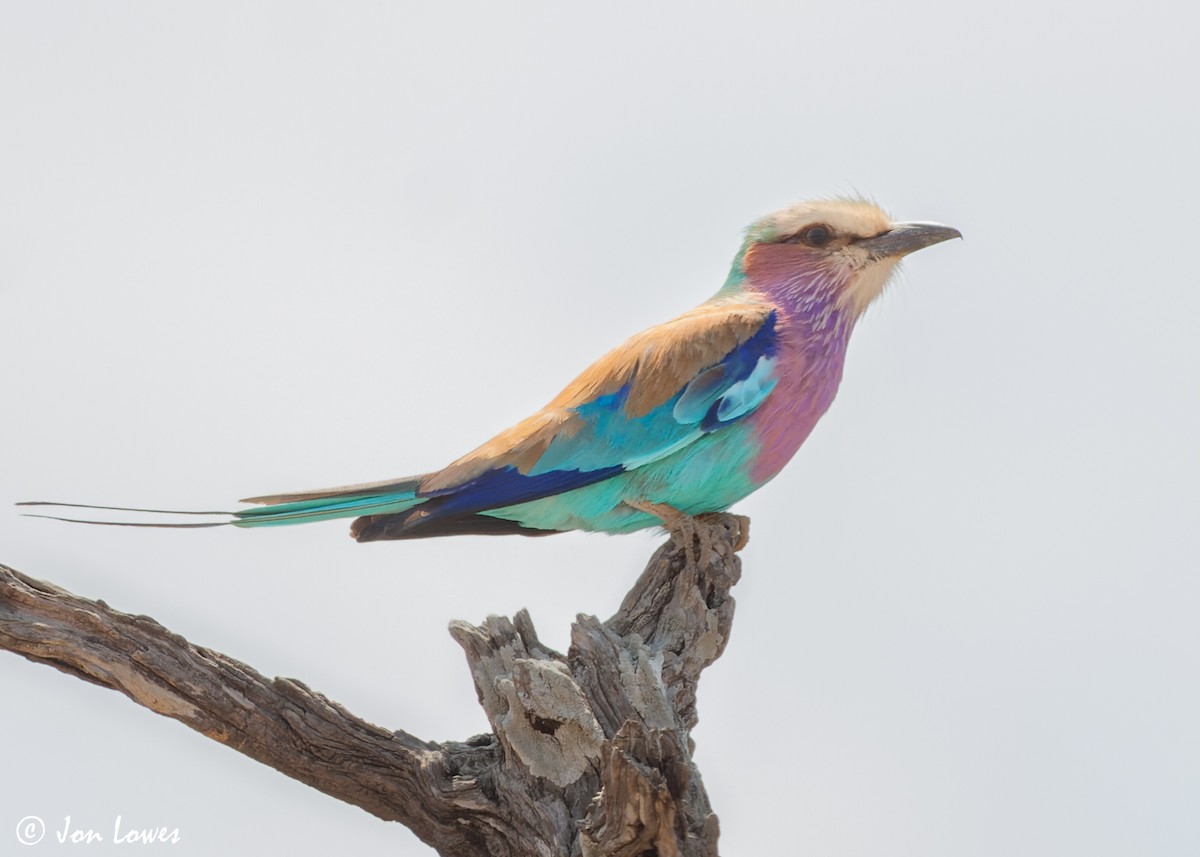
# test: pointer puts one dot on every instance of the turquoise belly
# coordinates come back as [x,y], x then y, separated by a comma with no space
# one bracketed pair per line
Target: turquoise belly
[710,475]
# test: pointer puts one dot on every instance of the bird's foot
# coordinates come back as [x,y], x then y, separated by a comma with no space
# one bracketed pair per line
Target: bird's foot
[681,527]
[694,534]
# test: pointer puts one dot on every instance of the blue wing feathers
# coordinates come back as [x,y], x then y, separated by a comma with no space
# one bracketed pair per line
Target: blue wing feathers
[697,397]
[742,397]
[507,486]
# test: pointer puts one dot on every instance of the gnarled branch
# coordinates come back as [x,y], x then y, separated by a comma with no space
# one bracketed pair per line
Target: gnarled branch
[590,752]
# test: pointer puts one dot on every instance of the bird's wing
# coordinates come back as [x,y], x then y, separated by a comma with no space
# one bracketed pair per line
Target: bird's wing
[660,391]
[646,399]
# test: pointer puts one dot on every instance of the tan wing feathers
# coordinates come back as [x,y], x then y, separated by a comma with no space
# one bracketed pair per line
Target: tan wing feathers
[520,445]
[656,363]
[409,483]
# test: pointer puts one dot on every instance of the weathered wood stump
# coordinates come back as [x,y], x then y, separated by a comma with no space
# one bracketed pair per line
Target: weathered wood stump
[590,752]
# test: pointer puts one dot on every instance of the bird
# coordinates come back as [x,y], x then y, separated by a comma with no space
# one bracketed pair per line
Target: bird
[679,422]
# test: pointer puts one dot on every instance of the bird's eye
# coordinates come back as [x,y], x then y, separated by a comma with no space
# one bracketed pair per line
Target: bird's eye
[817,236]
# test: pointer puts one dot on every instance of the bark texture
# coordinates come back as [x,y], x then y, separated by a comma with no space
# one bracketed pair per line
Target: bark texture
[590,751]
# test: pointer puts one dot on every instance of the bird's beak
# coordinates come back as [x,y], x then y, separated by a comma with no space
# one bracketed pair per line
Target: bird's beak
[904,238]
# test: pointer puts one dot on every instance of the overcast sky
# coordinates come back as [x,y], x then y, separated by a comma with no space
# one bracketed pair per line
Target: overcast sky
[252,247]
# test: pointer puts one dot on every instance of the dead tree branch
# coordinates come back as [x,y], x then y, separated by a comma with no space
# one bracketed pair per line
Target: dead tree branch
[590,752]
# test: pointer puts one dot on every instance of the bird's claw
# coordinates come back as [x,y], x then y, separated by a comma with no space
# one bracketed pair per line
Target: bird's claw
[694,534]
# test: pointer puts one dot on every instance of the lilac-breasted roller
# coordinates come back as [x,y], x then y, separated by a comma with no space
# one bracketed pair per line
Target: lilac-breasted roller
[683,419]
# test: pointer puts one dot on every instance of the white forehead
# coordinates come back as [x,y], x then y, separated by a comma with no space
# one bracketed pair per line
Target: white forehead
[844,216]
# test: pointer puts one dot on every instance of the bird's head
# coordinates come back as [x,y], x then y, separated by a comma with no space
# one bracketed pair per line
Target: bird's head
[841,250]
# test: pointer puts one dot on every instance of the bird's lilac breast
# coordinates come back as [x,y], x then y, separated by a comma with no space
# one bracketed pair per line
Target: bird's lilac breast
[813,334]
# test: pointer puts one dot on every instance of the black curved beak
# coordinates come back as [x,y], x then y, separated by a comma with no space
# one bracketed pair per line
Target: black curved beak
[904,238]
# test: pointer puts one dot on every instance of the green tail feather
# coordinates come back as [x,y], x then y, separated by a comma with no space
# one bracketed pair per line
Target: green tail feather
[325,509]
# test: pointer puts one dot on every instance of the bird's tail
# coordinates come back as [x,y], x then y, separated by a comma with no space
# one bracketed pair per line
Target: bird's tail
[377,498]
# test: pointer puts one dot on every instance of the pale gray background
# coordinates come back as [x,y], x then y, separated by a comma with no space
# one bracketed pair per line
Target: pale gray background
[251,247]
